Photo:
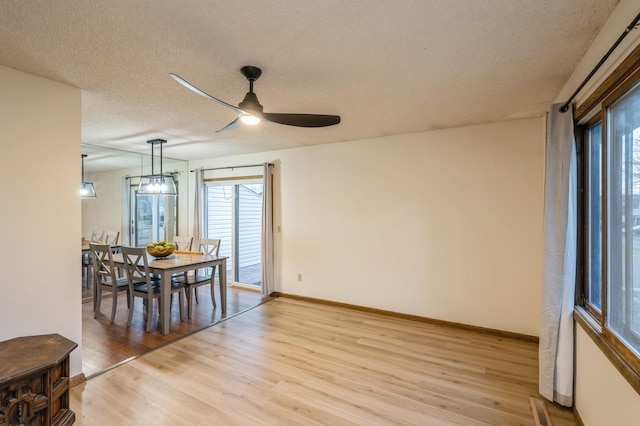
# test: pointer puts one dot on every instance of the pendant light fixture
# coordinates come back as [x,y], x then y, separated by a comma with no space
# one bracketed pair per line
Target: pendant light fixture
[156,184]
[87,190]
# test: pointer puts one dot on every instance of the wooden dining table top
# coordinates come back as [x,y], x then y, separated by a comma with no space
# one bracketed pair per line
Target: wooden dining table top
[174,261]
[86,247]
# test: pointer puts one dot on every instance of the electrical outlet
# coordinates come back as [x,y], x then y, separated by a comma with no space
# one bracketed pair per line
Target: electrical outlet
[299,277]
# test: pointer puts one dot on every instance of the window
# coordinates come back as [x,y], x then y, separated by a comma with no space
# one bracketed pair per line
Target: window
[623,136]
[609,145]
[593,141]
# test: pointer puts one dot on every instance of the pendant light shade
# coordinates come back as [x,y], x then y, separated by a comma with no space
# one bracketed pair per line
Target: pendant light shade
[156,184]
[87,190]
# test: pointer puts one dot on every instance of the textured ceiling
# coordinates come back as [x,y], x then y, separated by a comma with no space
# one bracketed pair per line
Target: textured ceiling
[386,67]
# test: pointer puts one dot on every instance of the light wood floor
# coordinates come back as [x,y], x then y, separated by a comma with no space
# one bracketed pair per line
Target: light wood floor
[297,362]
[105,345]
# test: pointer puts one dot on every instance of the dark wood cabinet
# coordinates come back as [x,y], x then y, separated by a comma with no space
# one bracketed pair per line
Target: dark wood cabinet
[34,381]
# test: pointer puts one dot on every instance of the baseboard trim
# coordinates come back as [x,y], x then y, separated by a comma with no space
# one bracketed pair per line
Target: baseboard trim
[499,333]
[576,416]
[78,379]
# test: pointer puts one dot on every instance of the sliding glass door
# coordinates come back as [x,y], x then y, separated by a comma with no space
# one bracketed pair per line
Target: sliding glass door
[153,218]
[233,213]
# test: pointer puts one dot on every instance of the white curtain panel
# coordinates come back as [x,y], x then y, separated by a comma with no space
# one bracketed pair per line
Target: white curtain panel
[125,240]
[556,352]
[198,209]
[267,230]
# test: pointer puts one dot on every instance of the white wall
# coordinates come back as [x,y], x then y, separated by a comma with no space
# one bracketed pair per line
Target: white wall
[603,397]
[40,214]
[444,224]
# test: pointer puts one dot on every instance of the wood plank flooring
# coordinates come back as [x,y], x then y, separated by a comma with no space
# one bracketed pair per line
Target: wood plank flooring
[297,362]
[105,345]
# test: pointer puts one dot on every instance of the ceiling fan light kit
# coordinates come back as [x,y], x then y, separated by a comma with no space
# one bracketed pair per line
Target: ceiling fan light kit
[249,119]
[250,111]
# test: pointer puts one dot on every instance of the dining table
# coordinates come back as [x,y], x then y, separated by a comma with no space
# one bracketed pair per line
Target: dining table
[176,263]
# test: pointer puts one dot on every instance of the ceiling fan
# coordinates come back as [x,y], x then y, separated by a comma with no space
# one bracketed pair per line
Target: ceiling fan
[250,111]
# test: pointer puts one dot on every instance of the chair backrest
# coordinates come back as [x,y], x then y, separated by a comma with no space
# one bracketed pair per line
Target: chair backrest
[96,235]
[210,246]
[103,269]
[136,265]
[111,237]
[182,243]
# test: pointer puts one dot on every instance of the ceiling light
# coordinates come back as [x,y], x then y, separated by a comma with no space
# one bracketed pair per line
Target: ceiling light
[157,184]
[250,119]
[87,190]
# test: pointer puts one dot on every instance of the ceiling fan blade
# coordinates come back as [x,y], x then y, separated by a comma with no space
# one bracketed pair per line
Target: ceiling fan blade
[235,123]
[250,106]
[202,93]
[302,120]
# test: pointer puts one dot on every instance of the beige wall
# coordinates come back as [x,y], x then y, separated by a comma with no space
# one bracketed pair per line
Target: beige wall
[40,226]
[103,213]
[443,224]
[603,396]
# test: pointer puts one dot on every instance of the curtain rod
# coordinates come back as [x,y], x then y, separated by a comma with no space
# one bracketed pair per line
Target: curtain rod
[234,167]
[565,106]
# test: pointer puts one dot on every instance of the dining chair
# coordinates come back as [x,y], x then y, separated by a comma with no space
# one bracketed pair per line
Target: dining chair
[97,235]
[204,276]
[182,243]
[87,263]
[104,278]
[142,285]
[111,237]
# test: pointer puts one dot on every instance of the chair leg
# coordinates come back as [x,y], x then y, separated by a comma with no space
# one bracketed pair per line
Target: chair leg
[149,314]
[181,301]
[95,295]
[213,287]
[88,275]
[84,276]
[98,300]
[114,305]
[195,291]
[130,302]
[213,297]
[187,291]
